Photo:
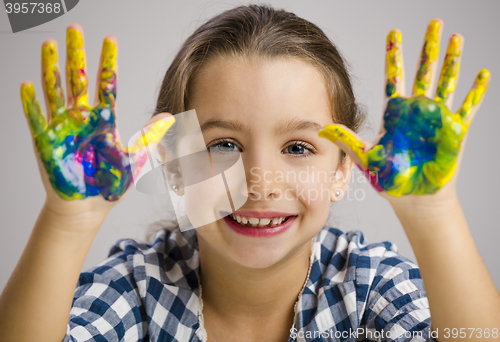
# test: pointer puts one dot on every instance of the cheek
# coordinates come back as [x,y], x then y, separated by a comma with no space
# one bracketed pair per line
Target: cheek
[209,198]
[205,201]
[317,186]
[314,193]
[313,190]
[204,196]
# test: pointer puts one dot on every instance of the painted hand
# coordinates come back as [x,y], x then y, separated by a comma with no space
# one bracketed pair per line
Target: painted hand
[79,145]
[421,139]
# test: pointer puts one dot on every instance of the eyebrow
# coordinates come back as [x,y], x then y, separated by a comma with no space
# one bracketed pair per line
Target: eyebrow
[282,128]
[297,125]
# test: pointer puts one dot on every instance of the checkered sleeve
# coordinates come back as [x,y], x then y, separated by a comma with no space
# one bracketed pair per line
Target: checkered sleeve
[397,303]
[106,305]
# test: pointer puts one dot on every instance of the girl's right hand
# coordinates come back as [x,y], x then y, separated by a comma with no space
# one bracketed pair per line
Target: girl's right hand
[87,170]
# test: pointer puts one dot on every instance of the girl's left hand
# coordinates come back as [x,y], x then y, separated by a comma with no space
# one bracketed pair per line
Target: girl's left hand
[420,145]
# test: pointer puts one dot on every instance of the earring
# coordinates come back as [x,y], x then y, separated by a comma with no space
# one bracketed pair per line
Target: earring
[175,188]
[337,193]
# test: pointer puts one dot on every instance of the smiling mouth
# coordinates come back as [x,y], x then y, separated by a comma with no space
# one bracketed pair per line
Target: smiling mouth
[258,223]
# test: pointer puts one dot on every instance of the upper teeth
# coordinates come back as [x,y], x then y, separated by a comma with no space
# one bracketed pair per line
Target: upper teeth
[254,221]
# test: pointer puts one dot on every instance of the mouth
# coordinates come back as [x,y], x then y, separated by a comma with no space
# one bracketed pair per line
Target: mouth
[271,225]
[255,222]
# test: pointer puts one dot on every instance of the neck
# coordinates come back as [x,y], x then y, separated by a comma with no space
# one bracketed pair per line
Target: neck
[233,291]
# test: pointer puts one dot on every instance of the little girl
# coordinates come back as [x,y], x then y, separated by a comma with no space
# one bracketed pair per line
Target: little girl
[269,86]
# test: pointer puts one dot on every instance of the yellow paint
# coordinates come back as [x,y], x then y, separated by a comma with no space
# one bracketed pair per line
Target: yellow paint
[153,135]
[428,58]
[76,67]
[403,182]
[394,63]
[109,52]
[475,94]
[116,172]
[335,133]
[107,90]
[449,73]
[27,95]
[52,79]
[32,109]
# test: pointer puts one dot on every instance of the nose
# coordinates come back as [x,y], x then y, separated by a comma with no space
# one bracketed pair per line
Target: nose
[261,170]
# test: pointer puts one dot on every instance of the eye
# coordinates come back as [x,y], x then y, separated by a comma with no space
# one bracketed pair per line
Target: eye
[224,146]
[299,149]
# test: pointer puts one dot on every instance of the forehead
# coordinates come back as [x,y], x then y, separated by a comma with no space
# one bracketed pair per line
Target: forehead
[254,88]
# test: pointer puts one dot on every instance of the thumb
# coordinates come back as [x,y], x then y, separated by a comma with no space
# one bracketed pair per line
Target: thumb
[32,109]
[142,145]
[152,133]
[349,142]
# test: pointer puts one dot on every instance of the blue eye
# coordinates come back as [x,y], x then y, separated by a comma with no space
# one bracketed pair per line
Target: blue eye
[224,146]
[296,149]
[299,149]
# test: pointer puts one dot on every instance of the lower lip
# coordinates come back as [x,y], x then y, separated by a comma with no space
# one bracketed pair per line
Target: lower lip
[259,232]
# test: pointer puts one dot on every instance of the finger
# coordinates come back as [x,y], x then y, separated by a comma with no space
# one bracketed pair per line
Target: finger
[348,141]
[76,69]
[475,96]
[107,73]
[426,71]
[32,109]
[51,79]
[153,135]
[394,70]
[449,73]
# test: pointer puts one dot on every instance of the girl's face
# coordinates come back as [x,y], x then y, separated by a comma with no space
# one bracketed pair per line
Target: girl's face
[270,111]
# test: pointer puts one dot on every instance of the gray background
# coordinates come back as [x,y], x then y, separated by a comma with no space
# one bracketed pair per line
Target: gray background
[150,34]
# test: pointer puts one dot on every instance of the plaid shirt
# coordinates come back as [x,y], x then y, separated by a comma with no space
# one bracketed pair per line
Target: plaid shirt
[151,292]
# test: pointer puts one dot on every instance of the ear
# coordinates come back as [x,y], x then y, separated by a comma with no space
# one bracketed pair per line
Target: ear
[171,169]
[341,180]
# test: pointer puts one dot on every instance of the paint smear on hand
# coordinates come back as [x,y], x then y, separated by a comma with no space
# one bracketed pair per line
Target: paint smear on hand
[79,147]
[419,150]
[52,78]
[428,59]
[475,95]
[449,72]
[394,63]
[418,153]
[107,87]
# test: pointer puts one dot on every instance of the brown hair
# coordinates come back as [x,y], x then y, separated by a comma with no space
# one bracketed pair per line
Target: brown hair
[263,31]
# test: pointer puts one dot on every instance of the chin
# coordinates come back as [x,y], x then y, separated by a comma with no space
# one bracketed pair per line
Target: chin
[257,257]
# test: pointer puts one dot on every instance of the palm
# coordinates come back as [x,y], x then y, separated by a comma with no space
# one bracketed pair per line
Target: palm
[418,152]
[418,149]
[79,147]
[82,155]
